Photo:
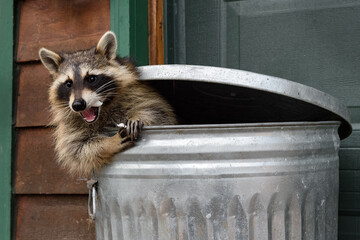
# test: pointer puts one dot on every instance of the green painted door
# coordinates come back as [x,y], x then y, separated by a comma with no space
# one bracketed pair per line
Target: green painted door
[316,43]
[6,73]
[129,21]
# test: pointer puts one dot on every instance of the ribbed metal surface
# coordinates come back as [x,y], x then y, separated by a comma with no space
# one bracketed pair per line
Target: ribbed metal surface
[241,181]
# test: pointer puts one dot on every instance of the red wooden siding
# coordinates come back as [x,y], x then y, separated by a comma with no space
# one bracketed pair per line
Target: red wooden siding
[49,204]
[32,99]
[60,25]
[36,169]
[54,217]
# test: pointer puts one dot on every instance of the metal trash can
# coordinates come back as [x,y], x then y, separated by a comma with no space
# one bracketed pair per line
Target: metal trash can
[227,180]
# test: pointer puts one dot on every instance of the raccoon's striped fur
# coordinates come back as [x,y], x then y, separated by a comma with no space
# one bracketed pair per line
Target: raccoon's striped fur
[92,90]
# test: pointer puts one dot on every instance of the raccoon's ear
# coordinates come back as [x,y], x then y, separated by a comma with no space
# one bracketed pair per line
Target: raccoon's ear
[107,45]
[50,59]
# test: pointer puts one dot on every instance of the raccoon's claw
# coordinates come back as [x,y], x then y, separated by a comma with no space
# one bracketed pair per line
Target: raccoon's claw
[124,136]
[133,128]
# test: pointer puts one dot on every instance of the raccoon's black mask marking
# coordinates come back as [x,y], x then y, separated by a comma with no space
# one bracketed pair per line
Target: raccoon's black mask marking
[99,83]
[63,92]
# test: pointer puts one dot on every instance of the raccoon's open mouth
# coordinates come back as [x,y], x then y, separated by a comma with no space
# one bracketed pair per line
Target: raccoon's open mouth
[90,115]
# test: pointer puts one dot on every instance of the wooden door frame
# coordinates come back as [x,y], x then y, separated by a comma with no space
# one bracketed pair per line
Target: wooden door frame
[129,21]
[138,25]
[156,32]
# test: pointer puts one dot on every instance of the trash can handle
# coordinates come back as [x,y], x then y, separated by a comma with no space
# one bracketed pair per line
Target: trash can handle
[92,184]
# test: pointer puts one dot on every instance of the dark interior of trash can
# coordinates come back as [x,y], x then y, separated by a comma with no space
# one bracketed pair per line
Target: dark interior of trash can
[211,103]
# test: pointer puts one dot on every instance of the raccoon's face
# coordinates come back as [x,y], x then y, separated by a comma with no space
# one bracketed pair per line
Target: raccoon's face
[84,80]
[84,90]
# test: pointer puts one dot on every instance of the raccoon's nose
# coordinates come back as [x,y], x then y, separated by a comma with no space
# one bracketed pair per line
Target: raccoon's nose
[79,105]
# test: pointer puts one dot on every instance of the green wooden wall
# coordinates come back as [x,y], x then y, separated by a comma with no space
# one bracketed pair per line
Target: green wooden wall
[6,73]
[316,43]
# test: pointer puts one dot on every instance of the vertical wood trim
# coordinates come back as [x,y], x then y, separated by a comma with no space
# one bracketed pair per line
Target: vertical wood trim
[156,32]
[120,24]
[139,31]
[160,31]
[129,21]
[6,76]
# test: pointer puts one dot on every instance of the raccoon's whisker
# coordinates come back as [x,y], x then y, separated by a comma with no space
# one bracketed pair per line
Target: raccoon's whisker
[62,104]
[68,113]
[111,94]
[101,87]
[67,110]
[107,83]
[104,86]
[107,90]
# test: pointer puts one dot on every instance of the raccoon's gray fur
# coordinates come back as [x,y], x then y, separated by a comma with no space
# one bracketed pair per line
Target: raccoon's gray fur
[92,90]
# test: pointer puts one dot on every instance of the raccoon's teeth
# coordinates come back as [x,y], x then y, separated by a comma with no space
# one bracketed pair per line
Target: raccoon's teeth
[98,104]
[91,114]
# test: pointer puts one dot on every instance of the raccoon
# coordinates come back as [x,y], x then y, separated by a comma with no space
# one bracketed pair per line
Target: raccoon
[92,91]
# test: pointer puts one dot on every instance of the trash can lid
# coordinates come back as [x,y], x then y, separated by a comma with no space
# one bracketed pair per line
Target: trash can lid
[237,96]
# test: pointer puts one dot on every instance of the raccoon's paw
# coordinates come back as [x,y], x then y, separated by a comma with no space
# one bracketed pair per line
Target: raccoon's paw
[132,129]
[124,137]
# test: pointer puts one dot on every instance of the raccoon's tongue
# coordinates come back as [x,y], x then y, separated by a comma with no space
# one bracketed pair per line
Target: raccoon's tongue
[89,114]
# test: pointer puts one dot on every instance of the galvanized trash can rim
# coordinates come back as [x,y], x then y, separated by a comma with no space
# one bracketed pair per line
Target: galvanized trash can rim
[242,125]
[330,107]
[193,141]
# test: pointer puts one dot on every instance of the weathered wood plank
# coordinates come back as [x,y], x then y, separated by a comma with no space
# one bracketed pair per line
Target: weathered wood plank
[60,25]
[36,171]
[52,217]
[33,105]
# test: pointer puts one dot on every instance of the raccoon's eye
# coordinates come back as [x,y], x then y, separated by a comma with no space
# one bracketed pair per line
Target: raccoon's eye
[91,78]
[68,83]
